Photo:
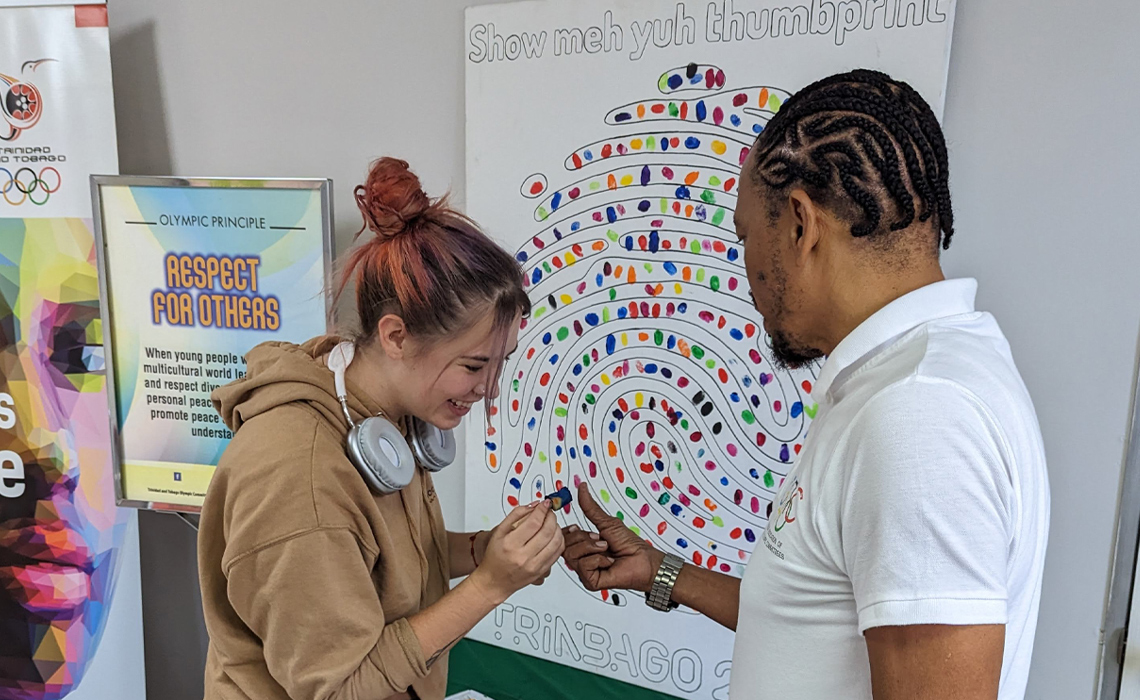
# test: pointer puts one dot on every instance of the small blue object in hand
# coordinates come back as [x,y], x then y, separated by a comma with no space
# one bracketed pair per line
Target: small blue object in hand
[560,498]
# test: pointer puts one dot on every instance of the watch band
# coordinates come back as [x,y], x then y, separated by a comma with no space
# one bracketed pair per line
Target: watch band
[661,593]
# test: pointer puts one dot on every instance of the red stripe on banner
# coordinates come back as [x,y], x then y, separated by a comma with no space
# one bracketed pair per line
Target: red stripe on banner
[90,16]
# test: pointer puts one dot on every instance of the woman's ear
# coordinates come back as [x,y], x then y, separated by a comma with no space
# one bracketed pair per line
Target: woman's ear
[392,335]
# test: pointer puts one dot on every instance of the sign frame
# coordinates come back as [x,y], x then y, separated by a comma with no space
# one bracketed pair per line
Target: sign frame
[323,185]
[1117,642]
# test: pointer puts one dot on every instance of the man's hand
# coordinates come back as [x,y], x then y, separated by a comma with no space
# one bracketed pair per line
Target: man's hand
[612,558]
[617,558]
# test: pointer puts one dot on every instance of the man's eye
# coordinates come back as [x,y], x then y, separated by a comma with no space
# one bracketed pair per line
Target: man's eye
[472,369]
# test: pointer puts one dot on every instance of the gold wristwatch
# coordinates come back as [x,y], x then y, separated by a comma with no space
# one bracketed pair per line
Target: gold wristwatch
[661,593]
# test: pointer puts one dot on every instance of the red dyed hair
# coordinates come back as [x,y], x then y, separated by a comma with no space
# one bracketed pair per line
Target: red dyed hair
[428,264]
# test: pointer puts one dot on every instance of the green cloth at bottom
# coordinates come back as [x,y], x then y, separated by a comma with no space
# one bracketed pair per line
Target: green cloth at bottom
[506,675]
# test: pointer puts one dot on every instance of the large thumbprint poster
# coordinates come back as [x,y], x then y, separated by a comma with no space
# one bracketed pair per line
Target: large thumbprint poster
[62,540]
[604,145]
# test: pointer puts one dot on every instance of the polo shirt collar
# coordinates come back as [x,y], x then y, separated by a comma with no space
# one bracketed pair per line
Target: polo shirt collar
[929,303]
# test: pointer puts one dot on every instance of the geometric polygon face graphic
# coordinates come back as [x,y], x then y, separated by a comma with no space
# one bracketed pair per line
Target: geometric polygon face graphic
[60,531]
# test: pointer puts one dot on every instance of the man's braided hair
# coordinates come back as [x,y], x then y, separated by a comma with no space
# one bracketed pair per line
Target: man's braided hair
[841,139]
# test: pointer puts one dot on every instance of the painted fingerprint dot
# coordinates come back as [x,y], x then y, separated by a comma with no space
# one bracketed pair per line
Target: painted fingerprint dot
[534,186]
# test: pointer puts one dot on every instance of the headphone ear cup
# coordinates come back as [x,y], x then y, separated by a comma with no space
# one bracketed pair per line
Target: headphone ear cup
[381,455]
[434,448]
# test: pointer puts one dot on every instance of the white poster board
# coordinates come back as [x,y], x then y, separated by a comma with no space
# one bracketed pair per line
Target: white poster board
[70,598]
[604,141]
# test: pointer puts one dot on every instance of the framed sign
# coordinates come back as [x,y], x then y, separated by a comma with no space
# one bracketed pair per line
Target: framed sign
[193,273]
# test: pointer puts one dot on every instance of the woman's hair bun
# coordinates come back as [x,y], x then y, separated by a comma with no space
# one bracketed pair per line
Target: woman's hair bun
[391,199]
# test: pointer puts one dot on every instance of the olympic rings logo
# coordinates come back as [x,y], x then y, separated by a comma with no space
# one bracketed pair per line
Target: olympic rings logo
[28,185]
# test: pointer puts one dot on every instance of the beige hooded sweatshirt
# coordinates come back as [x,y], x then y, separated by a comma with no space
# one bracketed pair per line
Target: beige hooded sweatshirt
[307,577]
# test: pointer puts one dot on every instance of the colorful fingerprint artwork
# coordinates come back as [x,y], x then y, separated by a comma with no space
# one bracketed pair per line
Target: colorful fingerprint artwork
[644,370]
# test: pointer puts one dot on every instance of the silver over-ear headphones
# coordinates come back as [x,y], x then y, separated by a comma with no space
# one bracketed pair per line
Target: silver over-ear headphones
[376,447]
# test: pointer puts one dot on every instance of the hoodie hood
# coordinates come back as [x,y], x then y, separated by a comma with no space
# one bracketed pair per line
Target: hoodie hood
[279,373]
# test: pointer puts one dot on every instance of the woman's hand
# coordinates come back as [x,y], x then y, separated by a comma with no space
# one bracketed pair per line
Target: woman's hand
[520,551]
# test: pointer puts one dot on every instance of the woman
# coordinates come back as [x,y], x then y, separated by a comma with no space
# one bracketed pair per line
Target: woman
[315,582]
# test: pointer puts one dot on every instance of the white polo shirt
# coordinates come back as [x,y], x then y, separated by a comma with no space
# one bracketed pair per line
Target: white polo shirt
[920,497]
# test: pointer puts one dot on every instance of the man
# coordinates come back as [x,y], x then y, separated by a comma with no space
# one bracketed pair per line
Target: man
[904,551]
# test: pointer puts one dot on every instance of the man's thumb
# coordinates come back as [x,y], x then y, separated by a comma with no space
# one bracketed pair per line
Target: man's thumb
[590,507]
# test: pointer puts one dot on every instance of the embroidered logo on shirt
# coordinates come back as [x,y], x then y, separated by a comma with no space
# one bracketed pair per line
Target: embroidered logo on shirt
[787,513]
[784,516]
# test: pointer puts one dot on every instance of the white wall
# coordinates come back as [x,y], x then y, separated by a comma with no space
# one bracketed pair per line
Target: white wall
[1045,164]
[1045,161]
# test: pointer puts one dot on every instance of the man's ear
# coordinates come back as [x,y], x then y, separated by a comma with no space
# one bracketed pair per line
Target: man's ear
[807,224]
[392,335]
